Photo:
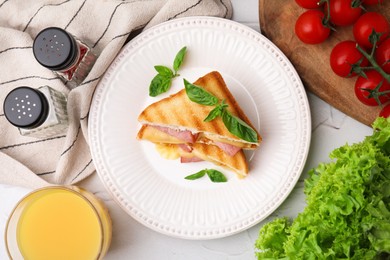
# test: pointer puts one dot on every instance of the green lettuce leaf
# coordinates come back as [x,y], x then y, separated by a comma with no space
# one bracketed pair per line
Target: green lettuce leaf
[348,207]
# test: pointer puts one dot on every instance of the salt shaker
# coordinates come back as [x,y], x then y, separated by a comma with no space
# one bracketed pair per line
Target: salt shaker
[39,113]
[64,54]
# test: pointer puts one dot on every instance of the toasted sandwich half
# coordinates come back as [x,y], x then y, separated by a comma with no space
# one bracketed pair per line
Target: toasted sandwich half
[184,120]
[173,148]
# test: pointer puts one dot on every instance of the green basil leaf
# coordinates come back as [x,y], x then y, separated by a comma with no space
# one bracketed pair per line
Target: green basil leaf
[197,175]
[216,176]
[217,111]
[199,95]
[239,128]
[164,71]
[159,84]
[179,59]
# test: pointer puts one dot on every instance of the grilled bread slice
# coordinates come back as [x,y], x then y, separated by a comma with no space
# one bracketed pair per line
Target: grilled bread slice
[179,113]
[214,154]
[210,153]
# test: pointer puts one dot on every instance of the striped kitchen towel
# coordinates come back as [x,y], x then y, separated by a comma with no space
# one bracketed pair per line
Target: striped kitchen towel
[105,25]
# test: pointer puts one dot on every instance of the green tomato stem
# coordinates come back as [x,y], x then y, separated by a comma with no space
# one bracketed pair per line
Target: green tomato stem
[373,47]
[373,62]
[326,20]
[368,68]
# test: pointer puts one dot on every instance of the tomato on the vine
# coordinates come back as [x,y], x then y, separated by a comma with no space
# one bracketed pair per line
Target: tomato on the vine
[343,13]
[368,90]
[372,2]
[345,59]
[308,4]
[365,25]
[382,55]
[310,29]
[385,112]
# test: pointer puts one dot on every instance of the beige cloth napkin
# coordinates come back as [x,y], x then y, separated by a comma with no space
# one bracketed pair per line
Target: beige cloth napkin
[104,25]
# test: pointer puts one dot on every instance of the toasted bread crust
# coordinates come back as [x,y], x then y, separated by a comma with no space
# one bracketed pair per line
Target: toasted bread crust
[178,111]
[212,153]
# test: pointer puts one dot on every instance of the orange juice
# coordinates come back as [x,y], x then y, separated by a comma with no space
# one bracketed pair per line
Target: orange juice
[59,223]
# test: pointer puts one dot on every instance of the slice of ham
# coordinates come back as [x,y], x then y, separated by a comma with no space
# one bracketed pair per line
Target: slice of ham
[188,137]
[190,159]
[229,149]
[185,135]
[185,147]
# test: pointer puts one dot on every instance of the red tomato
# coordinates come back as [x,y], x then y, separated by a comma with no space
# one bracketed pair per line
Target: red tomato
[342,13]
[382,55]
[372,2]
[308,4]
[309,27]
[366,89]
[385,112]
[366,24]
[343,56]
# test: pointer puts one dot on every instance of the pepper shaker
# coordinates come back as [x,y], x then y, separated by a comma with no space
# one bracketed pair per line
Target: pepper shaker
[39,113]
[64,54]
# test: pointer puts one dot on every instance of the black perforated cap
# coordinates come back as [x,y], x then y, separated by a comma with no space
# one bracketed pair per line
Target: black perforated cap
[25,107]
[55,49]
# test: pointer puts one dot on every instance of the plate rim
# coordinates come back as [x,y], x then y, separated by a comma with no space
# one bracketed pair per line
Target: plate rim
[299,166]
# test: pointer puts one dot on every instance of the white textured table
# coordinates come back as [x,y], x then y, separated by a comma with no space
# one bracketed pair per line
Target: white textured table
[131,240]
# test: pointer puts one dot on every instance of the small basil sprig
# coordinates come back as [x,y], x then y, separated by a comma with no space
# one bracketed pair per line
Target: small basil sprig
[214,175]
[235,125]
[163,80]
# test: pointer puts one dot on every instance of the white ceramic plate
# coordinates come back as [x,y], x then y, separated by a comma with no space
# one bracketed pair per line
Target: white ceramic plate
[153,190]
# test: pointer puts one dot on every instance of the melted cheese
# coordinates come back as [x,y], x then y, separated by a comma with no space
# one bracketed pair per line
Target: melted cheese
[168,151]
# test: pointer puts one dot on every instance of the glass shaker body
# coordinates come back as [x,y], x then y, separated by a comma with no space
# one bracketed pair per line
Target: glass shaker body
[64,54]
[39,113]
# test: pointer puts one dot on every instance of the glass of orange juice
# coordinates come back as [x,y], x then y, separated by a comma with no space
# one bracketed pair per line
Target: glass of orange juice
[58,222]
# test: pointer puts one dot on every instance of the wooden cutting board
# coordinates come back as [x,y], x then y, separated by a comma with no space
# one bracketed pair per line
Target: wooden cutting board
[277,22]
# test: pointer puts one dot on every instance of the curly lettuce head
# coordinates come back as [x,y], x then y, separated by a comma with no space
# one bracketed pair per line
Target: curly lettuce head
[348,207]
